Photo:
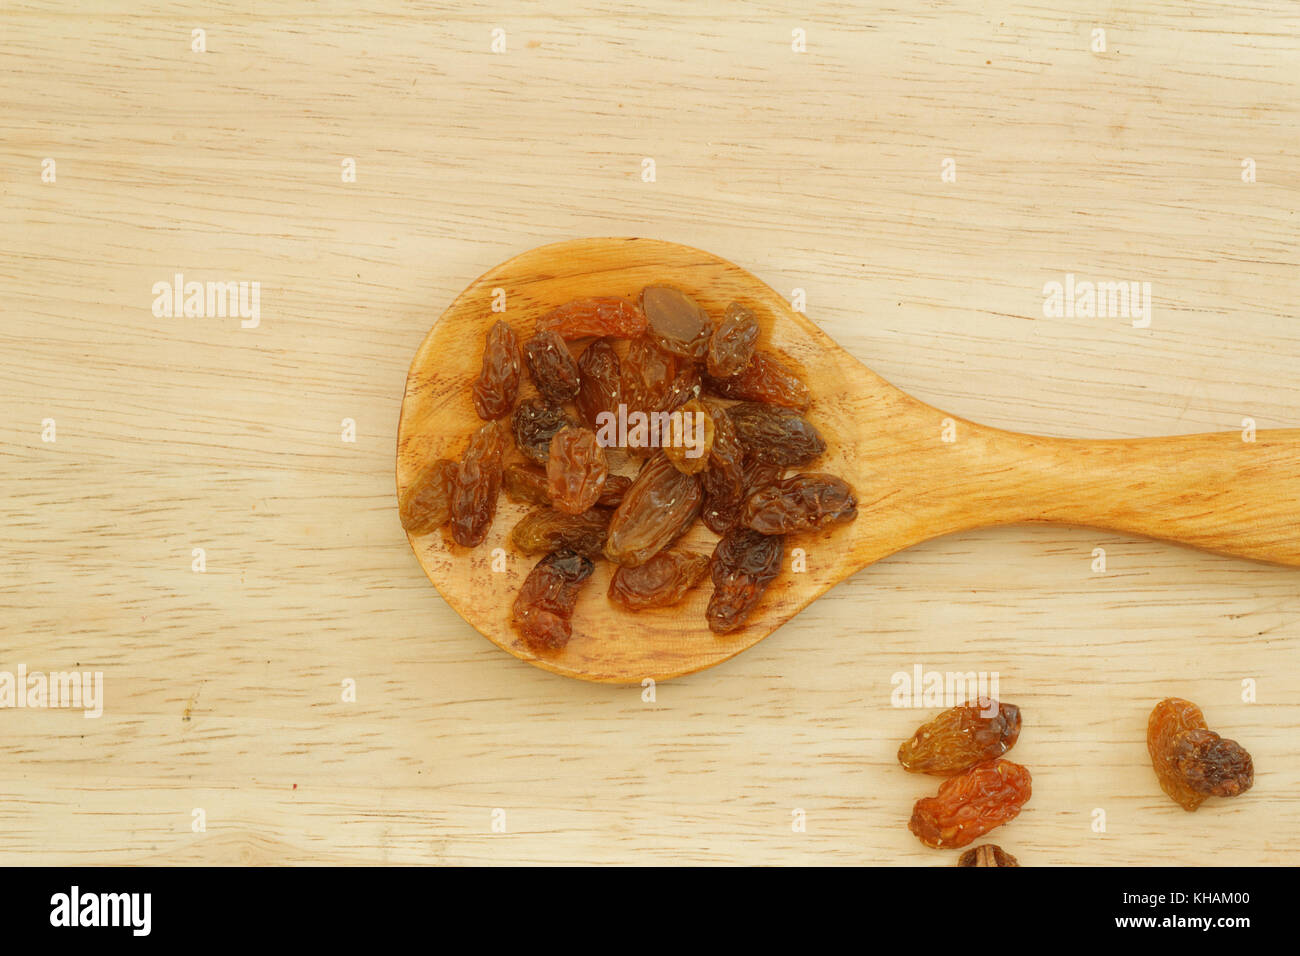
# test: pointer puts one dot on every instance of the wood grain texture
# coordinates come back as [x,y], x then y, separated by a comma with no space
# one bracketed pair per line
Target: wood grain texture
[818,171]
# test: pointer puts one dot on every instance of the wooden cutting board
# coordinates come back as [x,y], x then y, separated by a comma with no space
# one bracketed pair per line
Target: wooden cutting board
[918,179]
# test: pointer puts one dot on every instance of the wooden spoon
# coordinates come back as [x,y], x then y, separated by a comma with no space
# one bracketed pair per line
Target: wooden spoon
[1211,491]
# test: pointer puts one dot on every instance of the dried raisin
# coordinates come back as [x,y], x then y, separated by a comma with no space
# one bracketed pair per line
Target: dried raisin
[426,505]
[534,424]
[661,581]
[690,438]
[732,343]
[961,737]
[497,385]
[583,318]
[478,482]
[675,322]
[723,480]
[552,366]
[806,502]
[525,483]
[1191,761]
[543,610]
[657,509]
[744,564]
[600,387]
[971,804]
[576,470]
[545,530]
[764,379]
[775,435]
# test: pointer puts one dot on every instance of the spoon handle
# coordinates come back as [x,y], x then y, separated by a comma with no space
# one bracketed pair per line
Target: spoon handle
[1219,492]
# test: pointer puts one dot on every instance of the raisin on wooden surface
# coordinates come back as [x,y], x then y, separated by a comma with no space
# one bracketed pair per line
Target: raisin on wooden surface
[988,854]
[526,483]
[764,379]
[600,385]
[675,322]
[971,804]
[657,509]
[611,496]
[723,480]
[497,385]
[534,424]
[1191,761]
[684,387]
[744,564]
[731,345]
[959,738]
[599,316]
[690,438]
[661,581]
[543,610]
[807,502]
[647,374]
[576,470]
[426,506]
[552,366]
[544,530]
[478,482]
[774,434]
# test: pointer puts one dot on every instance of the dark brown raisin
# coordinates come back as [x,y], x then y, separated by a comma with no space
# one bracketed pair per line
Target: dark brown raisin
[534,424]
[497,385]
[552,366]
[744,564]
[724,479]
[807,502]
[775,435]
[1191,761]
[543,611]
[616,486]
[600,388]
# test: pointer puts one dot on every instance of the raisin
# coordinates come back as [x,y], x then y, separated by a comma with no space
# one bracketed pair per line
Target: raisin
[478,482]
[732,343]
[600,387]
[807,502]
[552,366]
[647,375]
[497,385]
[970,805]
[724,478]
[426,505]
[988,854]
[543,610]
[961,737]
[534,424]
[661,581]
[760,475]
[775,435]
[526,483]
[583,318]
[546,530]
[744,564]
[576,470]
[675,322]
[616,486]
[684,387]
[690,438]
[657,509]
[1191,761]
[764,379]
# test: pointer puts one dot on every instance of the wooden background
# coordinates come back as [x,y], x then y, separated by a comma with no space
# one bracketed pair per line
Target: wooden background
[817,170]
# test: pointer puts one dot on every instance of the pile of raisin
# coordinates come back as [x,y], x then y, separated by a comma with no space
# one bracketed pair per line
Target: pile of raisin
[663,356]
[983,791]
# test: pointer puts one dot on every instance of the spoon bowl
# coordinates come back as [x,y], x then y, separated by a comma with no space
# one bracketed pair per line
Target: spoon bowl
[918,472]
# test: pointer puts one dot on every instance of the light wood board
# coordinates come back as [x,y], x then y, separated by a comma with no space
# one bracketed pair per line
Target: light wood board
[818,171]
